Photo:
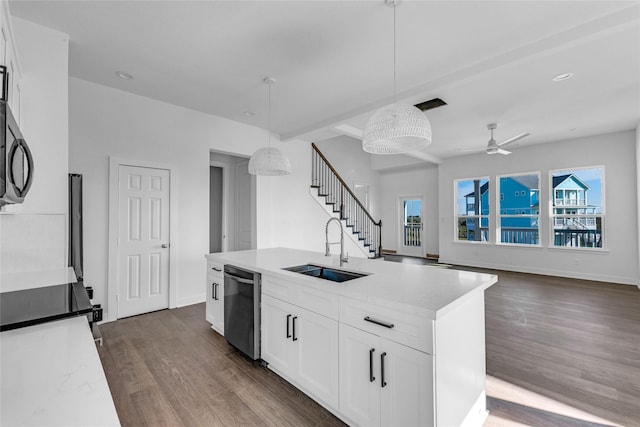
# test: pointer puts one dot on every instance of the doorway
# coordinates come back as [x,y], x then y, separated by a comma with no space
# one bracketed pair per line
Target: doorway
[411,232]
[232,204]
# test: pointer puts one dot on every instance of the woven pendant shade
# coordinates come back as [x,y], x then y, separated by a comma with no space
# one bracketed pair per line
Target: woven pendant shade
[396,129]
[269,161]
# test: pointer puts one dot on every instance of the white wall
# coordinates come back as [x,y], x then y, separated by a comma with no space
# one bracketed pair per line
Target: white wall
[354,165]
[617,263]
[420,179]
[296,219]
[34,237]
[107,122]
[638,191]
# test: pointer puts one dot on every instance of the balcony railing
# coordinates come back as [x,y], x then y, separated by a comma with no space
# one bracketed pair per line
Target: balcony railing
[578,238]
[413,235]
[570,202]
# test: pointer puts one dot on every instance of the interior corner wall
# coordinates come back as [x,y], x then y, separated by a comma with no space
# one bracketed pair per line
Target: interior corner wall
[638,193]
[617,263]
[108,122]
[414,180]
[296,219]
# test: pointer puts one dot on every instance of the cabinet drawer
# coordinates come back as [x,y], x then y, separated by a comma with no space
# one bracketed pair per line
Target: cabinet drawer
[278,288]
[408,329]
[320,302]
[215,268]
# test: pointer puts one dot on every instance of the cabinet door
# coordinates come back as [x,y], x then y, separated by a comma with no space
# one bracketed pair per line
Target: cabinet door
[276,334]
[209,301]
[407,397]
[316,348]
[218,306]
[360,376]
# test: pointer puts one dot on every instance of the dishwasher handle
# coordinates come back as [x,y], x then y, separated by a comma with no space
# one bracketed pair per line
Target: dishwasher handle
[239,279]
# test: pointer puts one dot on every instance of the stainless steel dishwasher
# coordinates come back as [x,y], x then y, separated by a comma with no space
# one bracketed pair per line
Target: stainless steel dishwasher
[242,310]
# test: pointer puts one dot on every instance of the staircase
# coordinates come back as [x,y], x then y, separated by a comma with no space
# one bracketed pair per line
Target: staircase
[343,202]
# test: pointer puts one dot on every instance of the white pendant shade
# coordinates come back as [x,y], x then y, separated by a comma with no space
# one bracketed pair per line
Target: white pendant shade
[269,161]
[396,129]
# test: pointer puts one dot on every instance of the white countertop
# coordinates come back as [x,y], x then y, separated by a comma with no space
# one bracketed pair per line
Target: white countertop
[51,375]
[424,290]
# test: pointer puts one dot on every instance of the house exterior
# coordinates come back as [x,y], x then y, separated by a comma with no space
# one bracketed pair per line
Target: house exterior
[575,222]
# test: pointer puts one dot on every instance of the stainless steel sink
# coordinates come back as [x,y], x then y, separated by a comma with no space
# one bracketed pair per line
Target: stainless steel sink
[327,273]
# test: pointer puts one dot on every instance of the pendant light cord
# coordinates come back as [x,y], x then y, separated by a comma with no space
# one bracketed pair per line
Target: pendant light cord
[395,92]
[269,114]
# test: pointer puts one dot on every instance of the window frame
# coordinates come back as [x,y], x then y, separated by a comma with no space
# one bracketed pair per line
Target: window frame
[553,216]
[500,215]
[457,217]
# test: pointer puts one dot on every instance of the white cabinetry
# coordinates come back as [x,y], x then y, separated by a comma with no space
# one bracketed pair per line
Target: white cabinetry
[383,382]
[9,58]
[301,346]
[215,296]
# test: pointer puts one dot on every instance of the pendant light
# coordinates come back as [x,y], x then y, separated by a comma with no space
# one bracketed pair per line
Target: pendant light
[397,128]
[269,160]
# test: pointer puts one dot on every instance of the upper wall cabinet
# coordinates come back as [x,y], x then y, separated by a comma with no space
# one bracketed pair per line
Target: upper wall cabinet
[9,58]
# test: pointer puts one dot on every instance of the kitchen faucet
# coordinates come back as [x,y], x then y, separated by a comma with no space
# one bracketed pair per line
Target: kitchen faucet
[343,258]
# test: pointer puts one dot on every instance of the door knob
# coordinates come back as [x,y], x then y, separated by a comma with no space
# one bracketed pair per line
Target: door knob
[165,245]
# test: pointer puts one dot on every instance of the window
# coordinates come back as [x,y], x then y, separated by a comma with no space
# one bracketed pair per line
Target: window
[472,209]
[578,207]
[518,222]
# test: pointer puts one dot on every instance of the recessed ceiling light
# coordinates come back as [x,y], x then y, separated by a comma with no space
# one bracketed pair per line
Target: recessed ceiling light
[561,77]
[123,75]
[249,113]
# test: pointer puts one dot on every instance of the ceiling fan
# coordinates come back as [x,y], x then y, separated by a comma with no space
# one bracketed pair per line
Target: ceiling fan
[496,148]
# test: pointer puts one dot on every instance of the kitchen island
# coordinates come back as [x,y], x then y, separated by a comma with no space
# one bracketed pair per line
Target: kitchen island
[403,345]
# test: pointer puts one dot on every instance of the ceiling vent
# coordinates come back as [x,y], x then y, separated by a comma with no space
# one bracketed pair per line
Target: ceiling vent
[430,104]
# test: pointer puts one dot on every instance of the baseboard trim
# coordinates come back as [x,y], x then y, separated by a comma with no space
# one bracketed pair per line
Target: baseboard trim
[545,272]
[433,256]
[194,299]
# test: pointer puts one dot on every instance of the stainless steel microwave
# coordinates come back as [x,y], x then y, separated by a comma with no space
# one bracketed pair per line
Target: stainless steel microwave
[16,162]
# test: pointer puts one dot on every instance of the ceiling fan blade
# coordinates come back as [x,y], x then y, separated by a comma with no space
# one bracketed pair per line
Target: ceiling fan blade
[469,150]
[514,139]
[504,152]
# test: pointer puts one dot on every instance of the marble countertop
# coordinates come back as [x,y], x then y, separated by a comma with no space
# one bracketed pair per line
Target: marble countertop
[421,289]
[51,375]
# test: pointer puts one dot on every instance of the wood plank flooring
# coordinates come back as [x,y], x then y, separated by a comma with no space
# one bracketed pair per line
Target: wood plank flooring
[573,341]
[168,368]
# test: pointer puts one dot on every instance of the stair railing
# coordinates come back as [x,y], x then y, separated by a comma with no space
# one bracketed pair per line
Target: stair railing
[338,194]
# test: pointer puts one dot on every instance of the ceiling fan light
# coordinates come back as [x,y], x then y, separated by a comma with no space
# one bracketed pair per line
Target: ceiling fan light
[269,161]
[396,129]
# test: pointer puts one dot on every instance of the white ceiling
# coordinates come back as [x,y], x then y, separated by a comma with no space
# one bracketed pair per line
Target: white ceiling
[333,61]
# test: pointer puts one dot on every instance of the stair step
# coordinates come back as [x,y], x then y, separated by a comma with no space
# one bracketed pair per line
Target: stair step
[315,186]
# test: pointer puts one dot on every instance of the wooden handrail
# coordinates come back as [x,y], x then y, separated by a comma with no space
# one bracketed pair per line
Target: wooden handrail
[344,184]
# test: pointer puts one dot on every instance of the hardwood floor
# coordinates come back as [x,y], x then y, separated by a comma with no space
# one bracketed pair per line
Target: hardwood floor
[168,368]
[573,341]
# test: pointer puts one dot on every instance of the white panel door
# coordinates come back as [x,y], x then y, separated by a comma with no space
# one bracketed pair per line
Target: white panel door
[407,396]
[359,376]
[143,240]
[316,345]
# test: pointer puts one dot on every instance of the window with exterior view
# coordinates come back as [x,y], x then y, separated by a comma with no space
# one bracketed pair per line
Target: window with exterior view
[578,207]
[472,209]
[519,209]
